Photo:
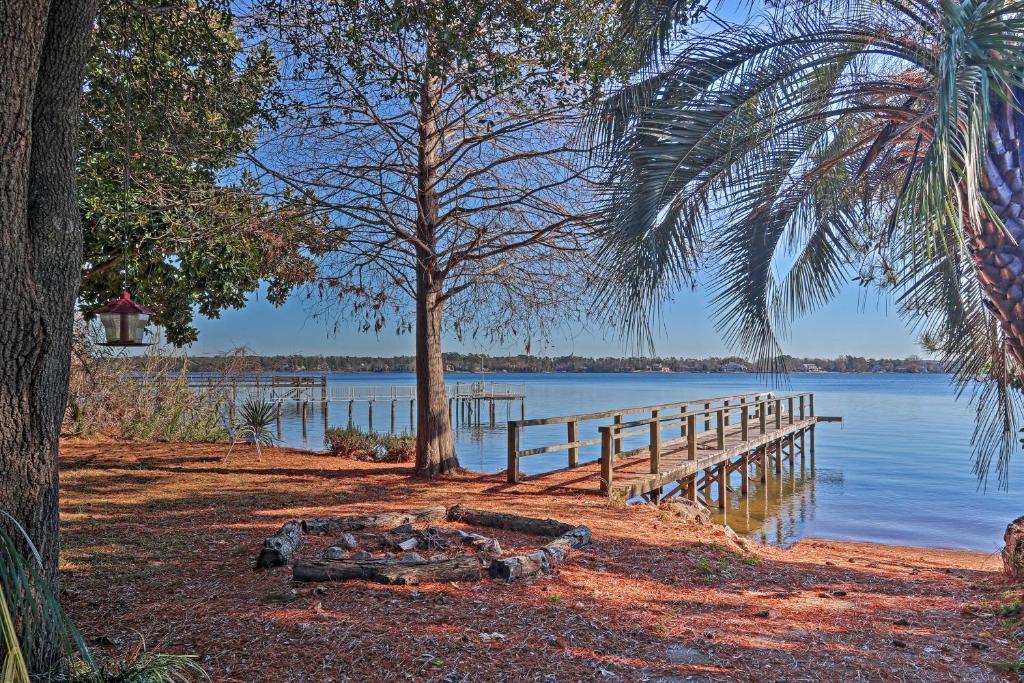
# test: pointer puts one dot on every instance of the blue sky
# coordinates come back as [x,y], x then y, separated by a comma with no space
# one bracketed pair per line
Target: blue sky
[856,323]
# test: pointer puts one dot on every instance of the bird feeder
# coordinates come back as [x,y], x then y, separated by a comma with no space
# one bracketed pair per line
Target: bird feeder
[124,322]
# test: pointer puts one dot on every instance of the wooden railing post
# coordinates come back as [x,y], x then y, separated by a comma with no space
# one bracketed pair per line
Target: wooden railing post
[762,414]
[811,396]
[574,452]
[513,452]
[720,428]
[682,422]
[801,406]
[778,413]
[618,441]
[606,460]
[691,437]
[744,421]
[727,411]
[789,407]
[655,443]
[707,417]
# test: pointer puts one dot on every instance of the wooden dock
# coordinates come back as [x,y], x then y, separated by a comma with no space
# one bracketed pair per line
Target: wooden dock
[689,446]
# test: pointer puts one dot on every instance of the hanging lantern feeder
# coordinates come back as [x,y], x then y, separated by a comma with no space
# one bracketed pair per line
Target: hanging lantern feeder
[124,322]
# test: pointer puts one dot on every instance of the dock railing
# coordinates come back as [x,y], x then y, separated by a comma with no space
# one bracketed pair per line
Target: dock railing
[780,409]
[659,414]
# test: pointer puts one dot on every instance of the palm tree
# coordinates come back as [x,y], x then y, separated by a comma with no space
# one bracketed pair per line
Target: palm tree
[870,140]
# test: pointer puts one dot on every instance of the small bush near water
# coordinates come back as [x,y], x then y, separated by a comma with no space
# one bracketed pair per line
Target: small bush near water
[352,442]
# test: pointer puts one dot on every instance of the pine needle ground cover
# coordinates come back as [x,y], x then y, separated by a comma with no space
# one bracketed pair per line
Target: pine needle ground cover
[159,542]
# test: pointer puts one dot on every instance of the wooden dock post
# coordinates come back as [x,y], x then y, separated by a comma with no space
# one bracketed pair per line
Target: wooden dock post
[491,411]
[707,417]
[778,456]
[323,388]
[682,422]
[778,413]
[655,443]
[691,488]
[745,474]
[720,428]
[722,475]
[512,473]
[325,404]
[763,453]
[801,406]
[792,444]
[812,449]
[370,415]
[350,412]
[279,420]
[392,416]
[305,414]
[762,416]
[574,452]
[691,441]
[412,416]
[607,473]
[790,409]
[727,411]
[744,422]
[811,402]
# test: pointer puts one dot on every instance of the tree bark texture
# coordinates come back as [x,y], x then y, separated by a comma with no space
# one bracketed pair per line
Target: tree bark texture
[277,550]
[382,520]
[405,572]
[509,521]
[998,254]
[542,560]
[435,447]
[42,63]
[45,46]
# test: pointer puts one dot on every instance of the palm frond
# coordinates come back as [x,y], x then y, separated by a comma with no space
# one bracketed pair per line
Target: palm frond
[785,156]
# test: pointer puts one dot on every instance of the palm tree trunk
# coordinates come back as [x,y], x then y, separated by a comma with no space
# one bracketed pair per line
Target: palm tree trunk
[998,253]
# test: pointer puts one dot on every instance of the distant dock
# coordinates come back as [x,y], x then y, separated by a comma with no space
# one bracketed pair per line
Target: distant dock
[469,401]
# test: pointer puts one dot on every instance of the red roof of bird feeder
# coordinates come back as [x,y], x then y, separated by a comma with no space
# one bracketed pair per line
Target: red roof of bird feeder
[124,305]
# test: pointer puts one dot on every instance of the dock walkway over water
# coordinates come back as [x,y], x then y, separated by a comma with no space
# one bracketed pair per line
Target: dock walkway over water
[689,446]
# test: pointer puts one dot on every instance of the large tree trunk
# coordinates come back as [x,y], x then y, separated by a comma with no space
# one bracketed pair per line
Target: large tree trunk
[435,448]
[998,256]
[45,46]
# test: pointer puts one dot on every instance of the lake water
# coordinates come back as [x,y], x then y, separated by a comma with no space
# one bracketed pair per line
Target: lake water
[898,470]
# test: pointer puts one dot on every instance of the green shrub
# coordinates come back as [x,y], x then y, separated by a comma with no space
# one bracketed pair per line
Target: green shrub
[398,447]
[352,442]
[349,442]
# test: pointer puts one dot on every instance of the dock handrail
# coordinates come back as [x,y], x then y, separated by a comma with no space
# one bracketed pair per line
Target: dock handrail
[792,407]
[573,444]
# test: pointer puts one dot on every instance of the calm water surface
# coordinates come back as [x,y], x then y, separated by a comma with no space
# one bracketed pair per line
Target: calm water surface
[898,470]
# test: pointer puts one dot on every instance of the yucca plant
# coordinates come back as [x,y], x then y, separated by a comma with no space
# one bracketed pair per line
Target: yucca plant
[868,140]
[31,618]
[256,415]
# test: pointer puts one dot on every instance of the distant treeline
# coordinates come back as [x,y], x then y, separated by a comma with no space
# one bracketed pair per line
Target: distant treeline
[460,362]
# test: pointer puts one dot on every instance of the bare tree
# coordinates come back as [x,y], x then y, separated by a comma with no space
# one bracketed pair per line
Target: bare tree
[441,134]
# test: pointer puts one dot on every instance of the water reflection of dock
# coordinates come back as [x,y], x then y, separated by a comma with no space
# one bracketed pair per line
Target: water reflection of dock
[776,510]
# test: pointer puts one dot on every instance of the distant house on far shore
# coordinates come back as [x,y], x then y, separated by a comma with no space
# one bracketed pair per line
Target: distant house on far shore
[809,367]
[733,367]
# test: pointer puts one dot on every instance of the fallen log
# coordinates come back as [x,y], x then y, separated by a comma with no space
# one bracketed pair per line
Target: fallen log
[382,520]
[393,571]
[279,548]
[511,522]
[542,560]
